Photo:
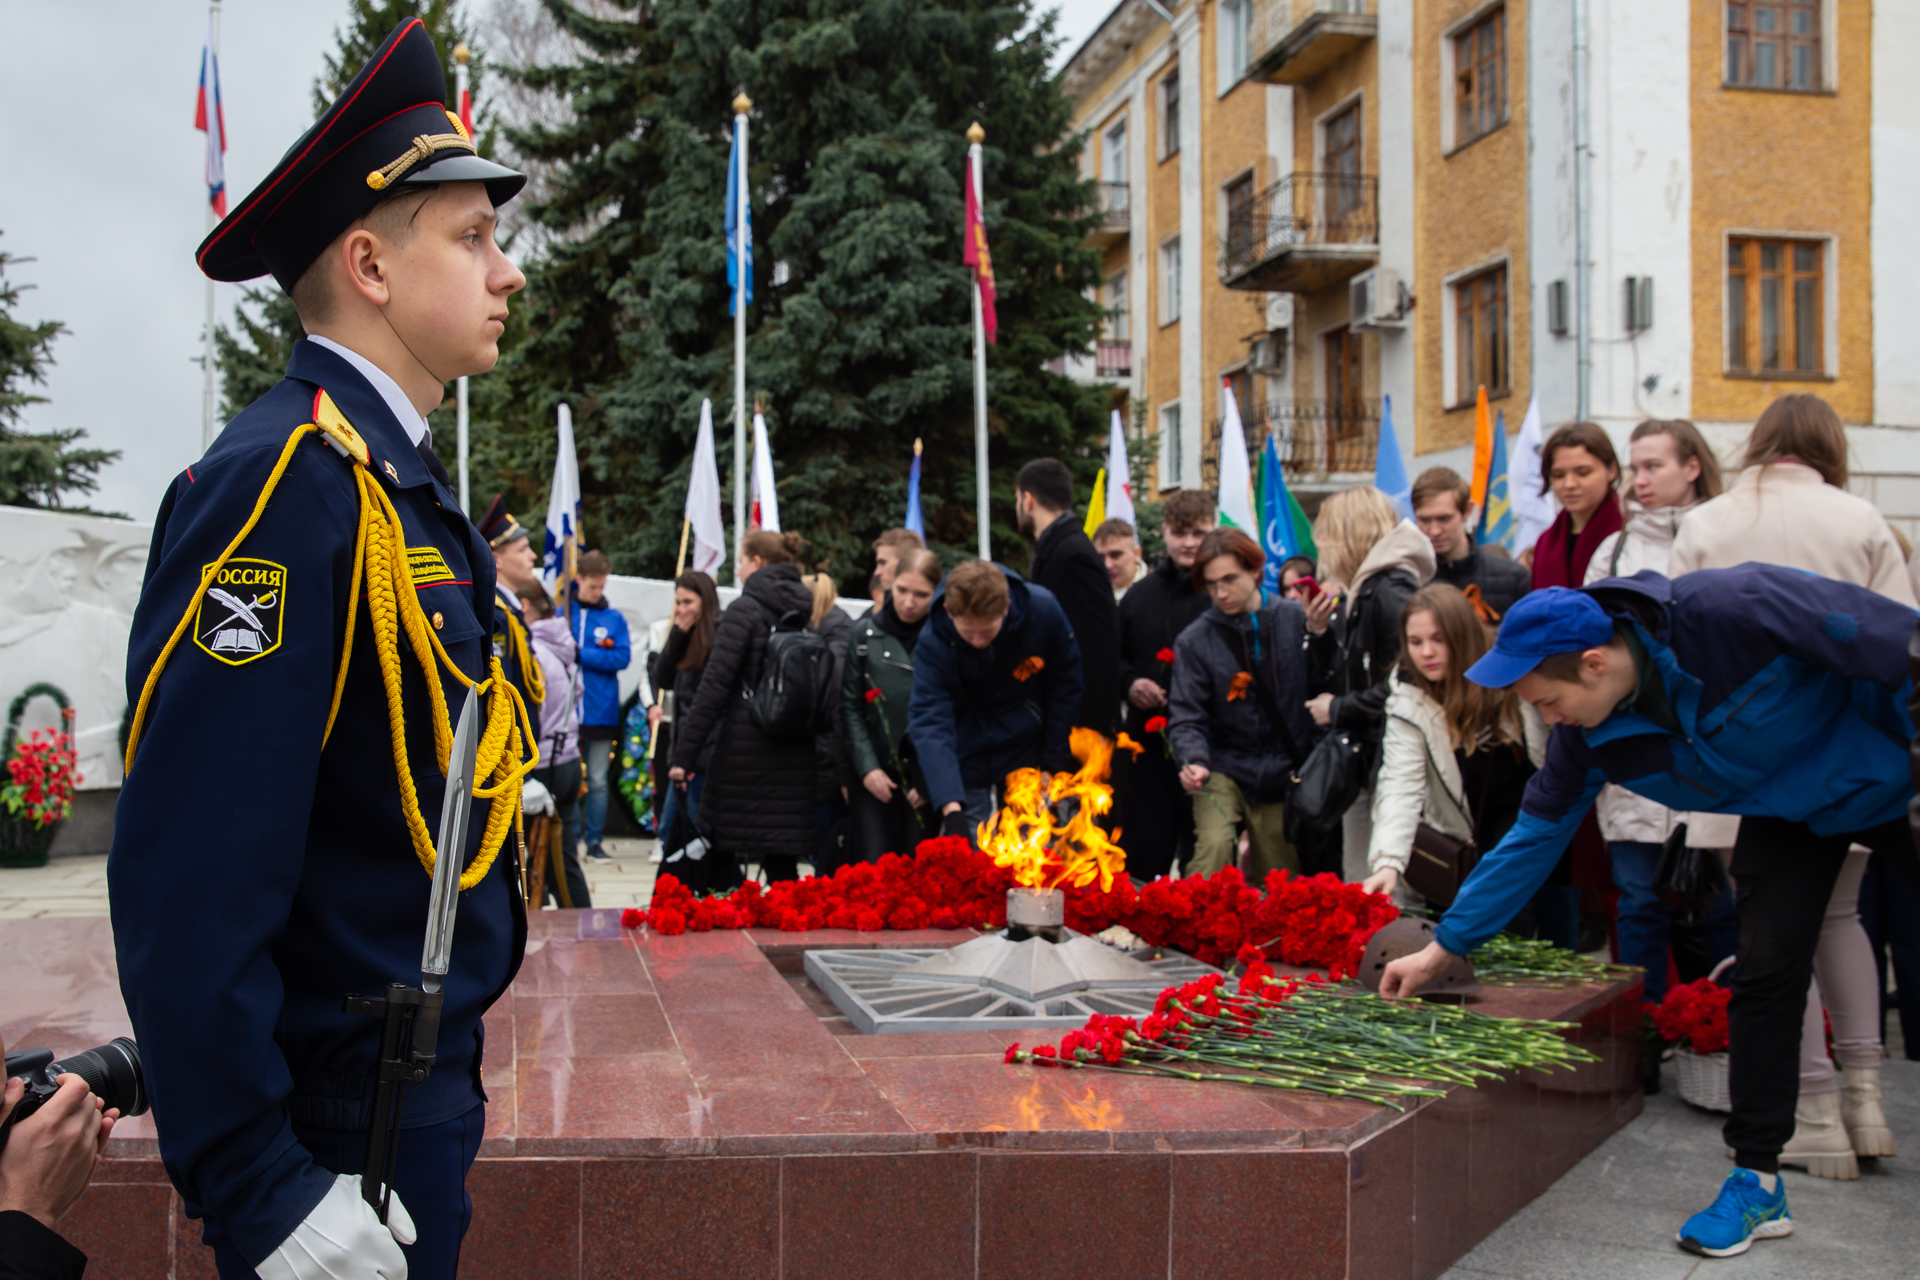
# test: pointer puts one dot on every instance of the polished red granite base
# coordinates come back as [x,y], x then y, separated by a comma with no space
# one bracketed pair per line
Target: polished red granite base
[690,1106]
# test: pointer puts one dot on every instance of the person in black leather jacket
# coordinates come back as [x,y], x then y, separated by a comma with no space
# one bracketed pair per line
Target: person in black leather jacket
[44,1170]
[1443,508]
[1372,562]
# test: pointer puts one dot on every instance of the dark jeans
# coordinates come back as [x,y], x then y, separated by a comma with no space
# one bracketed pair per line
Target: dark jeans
[564,781]
[1154,814]
[829,835]
[1890,913]
[1646,925]
[876,828]
[598,755]
[1783,875]
[429,1176]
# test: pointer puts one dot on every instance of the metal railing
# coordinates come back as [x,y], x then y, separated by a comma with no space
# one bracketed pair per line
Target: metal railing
[1301,209]
[1113,359]
[1315,438]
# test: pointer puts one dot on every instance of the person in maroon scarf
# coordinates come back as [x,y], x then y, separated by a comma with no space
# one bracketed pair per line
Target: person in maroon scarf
[1581,469]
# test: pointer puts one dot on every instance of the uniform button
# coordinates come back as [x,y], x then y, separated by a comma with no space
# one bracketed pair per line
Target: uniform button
[439,620]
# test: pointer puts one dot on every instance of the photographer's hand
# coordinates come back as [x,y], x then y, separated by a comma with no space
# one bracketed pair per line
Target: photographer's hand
[49,1156]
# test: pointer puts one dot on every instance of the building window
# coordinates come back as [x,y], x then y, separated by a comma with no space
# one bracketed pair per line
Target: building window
[1170,114]
[1342,139]
[1480,78]
[1113,166]
[1236,22]
[1239,199]
[1773,44]
[1118,327]
[1775,300]
[1170,281]
[1171,451]
[1480,335]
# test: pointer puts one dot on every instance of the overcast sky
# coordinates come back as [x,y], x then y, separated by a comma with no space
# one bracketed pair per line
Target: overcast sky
[104,190]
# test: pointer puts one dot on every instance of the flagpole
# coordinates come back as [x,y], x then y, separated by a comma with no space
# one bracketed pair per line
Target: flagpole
[213,220]
[741,105]
[975,136]
[461,56]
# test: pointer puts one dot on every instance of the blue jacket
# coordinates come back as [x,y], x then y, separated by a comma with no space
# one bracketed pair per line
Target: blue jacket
[257,877]
[1791,693]
[972,719]
[601,632]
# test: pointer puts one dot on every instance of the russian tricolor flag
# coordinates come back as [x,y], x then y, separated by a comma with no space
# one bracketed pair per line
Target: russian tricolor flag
[207,118]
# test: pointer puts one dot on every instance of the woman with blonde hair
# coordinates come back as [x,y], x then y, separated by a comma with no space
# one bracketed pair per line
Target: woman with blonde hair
[1455,755]
[833,776]
[1790,506]
[1372,561]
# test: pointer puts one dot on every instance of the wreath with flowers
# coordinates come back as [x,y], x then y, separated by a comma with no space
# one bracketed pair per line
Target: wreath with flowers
[42,773]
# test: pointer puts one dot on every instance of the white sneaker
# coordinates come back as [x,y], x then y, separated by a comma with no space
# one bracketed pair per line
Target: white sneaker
[1862,1114]
[1820,1141]
[655,855]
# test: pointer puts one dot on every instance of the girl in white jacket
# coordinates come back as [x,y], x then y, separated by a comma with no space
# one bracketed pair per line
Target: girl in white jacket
[1454,755]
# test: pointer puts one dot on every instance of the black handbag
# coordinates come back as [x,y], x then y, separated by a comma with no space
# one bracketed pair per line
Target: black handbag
[1330,780]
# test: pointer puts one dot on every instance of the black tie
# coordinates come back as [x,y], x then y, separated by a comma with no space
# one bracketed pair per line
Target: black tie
[432,459]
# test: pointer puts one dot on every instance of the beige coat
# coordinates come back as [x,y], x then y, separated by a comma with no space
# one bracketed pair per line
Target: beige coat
[1786,514]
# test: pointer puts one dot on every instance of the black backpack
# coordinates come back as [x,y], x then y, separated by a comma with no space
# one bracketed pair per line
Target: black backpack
[793,699]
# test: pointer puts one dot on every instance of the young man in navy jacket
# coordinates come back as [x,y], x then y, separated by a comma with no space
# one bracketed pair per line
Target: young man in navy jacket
[1757,690]
[600,631]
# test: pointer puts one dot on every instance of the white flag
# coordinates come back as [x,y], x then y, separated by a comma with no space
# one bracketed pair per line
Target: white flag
[563,514]
[703,499]
[764,511]
[1119,476]
[1236,470]
[1533,511]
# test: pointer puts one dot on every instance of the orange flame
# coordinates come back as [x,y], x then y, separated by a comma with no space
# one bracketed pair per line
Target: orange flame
[1043,852]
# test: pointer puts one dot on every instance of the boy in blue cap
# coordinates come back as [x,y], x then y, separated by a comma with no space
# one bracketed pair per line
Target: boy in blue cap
[287,757]
[1757,690]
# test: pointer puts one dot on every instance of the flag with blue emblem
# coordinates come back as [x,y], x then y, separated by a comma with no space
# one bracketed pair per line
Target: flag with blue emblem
[739,226]
[1285,531]
[561,559]
[1496,517]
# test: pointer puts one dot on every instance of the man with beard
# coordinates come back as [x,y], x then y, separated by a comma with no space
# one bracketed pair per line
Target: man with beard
[1065,563]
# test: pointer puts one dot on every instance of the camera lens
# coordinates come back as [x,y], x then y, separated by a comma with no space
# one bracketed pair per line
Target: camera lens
[112,1072]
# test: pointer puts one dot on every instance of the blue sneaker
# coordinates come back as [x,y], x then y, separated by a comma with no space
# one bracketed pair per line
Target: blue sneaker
[1743,1213]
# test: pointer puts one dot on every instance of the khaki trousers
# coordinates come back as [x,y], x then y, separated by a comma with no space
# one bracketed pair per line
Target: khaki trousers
[1219,811]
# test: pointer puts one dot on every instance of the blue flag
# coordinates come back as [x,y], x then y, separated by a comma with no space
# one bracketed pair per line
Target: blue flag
[913,520]
[738,236]
[1496,518]
[1389,468]
[1276,515]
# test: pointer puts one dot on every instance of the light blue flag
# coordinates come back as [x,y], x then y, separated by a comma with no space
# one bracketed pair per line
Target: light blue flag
[737,235]
[913,520]
[1389,468]
[1496,519]
[1276,515]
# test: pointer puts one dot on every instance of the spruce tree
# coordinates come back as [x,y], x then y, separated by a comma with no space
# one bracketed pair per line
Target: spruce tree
[37,469]
[252,356]
[860,333]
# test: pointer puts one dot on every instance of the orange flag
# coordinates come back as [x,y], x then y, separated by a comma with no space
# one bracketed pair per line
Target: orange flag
[1482,449]
[976,256]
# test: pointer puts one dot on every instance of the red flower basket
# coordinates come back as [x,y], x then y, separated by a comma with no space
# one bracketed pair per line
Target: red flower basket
[1693,1017]
[36,793]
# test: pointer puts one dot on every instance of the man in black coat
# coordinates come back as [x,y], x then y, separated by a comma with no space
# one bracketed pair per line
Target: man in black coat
[1065,563]
[1153,813]
[1443,508]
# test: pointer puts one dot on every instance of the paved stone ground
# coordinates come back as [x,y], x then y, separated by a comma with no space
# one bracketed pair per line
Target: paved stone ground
[1616,1213]
[1613,1216]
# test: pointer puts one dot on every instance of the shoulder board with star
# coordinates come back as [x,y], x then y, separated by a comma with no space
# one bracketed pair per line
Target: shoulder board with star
[338,431]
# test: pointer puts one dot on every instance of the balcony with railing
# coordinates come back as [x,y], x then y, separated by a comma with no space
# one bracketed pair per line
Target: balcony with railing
[1317,440]
[1115,209]
[1303,233]
[1296,41]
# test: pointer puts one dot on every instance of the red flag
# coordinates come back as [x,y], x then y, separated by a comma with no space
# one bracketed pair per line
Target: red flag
[977,257]
[466,111]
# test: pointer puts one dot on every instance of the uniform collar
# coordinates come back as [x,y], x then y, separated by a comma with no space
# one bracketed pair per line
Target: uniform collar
[403,411]
[348,379]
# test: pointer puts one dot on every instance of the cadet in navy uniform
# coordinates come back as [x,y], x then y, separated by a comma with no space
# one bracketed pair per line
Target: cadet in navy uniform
[514,566]
[269,855]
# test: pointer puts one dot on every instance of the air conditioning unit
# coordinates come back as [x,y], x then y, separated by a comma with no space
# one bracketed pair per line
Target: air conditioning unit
[1279,311]
[1268,354]
[1639,303]
[1376,300]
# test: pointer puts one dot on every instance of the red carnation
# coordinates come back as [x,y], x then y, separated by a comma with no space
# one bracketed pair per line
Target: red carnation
[1156,723]
[666,920]
[1165,655]
[873,695]
[1013,1052]
[632,918]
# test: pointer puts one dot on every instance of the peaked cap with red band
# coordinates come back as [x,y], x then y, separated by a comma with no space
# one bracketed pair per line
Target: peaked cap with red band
[389,128]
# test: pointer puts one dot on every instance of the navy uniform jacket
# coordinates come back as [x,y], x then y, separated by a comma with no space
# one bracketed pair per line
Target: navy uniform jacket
[510,616]
[1791,695]
[256,878]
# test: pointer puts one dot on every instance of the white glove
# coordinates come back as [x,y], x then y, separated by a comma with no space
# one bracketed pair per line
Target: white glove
[534,797]
[342,1239]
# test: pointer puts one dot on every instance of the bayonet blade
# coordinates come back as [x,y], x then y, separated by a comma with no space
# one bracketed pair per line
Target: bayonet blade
[452,847]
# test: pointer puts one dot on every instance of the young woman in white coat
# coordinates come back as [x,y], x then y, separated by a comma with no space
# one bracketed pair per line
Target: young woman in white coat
[1790,506]
[1673,470]
[1453,755]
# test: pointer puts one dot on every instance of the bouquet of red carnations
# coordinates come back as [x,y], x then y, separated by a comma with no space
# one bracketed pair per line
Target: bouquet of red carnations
[1694,1016]
[41,775]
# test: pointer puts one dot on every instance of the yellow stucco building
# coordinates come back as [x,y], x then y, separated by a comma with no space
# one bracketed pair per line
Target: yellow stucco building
[1610,209]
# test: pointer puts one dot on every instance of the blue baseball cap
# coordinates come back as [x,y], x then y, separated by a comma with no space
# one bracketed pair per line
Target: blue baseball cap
[1542,623]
